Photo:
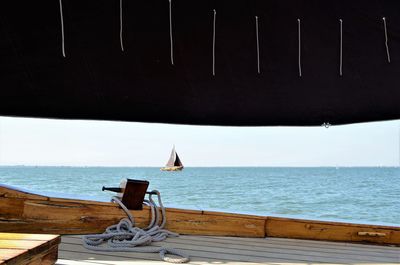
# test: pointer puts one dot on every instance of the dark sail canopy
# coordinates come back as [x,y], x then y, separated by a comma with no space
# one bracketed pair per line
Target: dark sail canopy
[257,50]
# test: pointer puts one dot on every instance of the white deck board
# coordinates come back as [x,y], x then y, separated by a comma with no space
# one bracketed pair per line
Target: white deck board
[230,250]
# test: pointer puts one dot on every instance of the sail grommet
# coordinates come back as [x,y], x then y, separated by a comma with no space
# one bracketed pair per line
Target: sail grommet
[326,125]
[299,45]
[386,39]
[62,29]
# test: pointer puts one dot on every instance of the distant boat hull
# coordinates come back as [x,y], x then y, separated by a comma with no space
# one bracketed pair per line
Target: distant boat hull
[179,168]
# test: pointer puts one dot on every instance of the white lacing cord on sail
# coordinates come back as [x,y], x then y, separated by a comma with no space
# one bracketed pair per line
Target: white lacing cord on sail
[121,26]
[62,29]
[213,48]
[386,39]
[341,48]
[299,44]
[170,32]
[258,46]
[125,237]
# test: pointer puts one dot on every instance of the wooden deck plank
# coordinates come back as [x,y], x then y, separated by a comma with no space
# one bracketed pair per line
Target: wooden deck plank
[322,246]
[268,251]
[310,243]
[331,243]
[62,261]
[28,249]
[117,259]
[281,247]
[20,244]
[230,247]
[234,250]
[288,242]
[194,254]
[266,243]
[7,254]
[19,236]
[82,260]
[241,255]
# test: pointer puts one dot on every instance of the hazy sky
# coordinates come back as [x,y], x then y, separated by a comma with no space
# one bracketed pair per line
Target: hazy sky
[101,143]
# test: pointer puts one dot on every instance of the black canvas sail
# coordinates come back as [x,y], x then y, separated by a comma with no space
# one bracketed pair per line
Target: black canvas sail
[303,63]
[178,162]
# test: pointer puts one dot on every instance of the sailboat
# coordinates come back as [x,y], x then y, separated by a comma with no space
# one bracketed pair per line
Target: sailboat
[174,163]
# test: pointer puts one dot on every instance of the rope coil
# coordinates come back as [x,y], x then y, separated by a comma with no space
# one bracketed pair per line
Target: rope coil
[125,237]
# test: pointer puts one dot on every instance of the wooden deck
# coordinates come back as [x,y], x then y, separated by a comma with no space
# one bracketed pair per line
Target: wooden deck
[230,250]
[28,249]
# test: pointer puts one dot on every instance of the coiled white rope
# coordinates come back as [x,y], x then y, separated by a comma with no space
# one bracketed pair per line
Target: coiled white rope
[299,44]
[386,39]
[125,237]
[341,48]
[213,48]
[258,46]
[62,29]
[170,32]
[121,26]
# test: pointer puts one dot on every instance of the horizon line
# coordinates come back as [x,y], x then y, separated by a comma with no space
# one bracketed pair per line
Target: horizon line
[222,166]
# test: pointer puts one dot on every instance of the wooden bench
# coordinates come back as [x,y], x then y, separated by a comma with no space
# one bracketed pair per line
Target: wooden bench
[24,249]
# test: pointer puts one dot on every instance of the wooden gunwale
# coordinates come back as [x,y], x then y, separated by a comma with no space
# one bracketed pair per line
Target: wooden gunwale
[22,211]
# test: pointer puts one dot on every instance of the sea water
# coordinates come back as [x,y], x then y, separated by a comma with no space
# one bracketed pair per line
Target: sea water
[367,195]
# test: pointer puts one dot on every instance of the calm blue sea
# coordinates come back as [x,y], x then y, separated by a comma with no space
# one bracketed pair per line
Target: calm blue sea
[367,195]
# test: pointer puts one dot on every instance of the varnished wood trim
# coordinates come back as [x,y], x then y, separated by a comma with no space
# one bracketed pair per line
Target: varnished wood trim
[330,231]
